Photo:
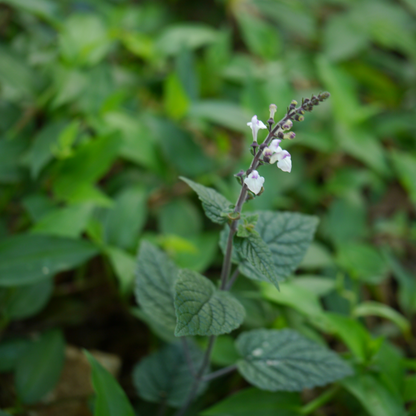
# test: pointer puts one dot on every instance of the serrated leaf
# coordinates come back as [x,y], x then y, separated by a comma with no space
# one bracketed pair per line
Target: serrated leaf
[287,235]
[165,375]
[257,254]
[214,204]
[202,309]
[39,368]
[110,399]
[155,278]
[284,360]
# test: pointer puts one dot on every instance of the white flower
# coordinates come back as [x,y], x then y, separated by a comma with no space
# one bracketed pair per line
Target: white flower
[284,160]
[274,145]
[255,126]
[254,182]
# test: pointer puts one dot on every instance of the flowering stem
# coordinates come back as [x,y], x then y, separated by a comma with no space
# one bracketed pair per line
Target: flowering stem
[225,272]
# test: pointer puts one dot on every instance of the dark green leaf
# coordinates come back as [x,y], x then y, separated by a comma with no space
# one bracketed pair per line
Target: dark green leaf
[30,258]
[284,360]
[39,368]
[180,217]
[40,152]
[23,301]
[156,276]
[373,396]
[256,253]
[213,203]
[287,236]
[201,309]
[110,399]
[165,375]
[363,262]
[252,401]
[87,165]
[69,221]
[124,265]
[126,218]
[10,352]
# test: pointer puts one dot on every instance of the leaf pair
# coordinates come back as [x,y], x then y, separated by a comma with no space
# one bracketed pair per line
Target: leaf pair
[183,299]
[276,246]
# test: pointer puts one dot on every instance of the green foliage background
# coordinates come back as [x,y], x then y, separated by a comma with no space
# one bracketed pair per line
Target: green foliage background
[103,105]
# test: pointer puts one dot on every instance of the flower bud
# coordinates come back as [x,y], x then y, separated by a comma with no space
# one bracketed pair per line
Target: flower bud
[290,135]
[297,117]
[293,104]
[280,134]
[287,125]
[272,109]
[315,100]
[323,96]
[267,153]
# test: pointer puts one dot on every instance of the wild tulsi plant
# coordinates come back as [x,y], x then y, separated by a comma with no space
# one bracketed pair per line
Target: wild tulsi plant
[264,246]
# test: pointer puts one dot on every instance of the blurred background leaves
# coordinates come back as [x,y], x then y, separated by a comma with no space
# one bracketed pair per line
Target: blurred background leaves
[104,104]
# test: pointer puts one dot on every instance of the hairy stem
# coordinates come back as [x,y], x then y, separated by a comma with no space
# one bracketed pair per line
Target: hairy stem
[232,279]
[220,373]
[198,378]
[188,356]
[226,267]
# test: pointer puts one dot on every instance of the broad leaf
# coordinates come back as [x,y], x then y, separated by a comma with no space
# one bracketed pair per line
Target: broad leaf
[23,301]
[126,218]
[156,275]
[202,309]
[110,399]
[10,352]
[165,375]
[252,401]
[30,258]
[39,368]
[287,236]
[376,399]
[214,204]
[258,257]
[371,308]
[284,360]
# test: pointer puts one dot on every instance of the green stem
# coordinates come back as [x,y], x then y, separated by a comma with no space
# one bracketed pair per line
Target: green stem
[319,401]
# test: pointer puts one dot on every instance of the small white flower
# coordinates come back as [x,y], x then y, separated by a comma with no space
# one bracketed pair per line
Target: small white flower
[255,126]
[254,182]
[284,160]
[274,145]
